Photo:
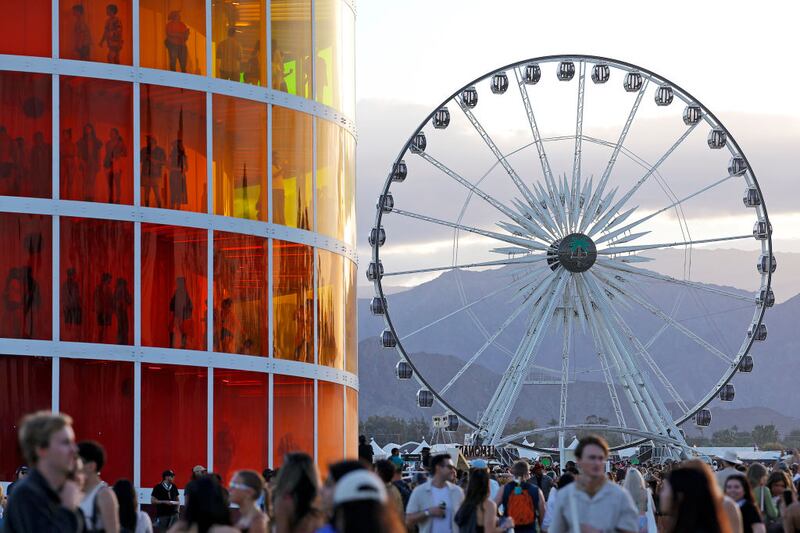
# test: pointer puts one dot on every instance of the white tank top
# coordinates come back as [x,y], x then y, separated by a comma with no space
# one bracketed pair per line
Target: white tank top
[88,508]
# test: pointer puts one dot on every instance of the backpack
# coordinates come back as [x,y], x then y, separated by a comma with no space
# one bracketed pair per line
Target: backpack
[520,502]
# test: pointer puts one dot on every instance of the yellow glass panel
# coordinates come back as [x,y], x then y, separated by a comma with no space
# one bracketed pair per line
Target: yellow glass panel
[173,35]
[347,226]
[291,46]
[237,44]
[240,158]
[351,317]
[330,309]
[330,179]
[293,301]
[292,163]
[328,22]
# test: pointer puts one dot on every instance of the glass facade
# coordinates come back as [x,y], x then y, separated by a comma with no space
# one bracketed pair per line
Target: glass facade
[180,234]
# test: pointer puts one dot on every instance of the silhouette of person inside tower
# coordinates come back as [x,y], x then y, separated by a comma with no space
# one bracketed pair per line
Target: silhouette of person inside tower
[41,162]
[112,34]
[104,306]
[89,147]
[153,159]
[178,166]
[122,302]
[81,36]
[115,152]
[177,36]
[180,308]
[30,301]
[69,164]
[12,300]
[71,307]
[228,326]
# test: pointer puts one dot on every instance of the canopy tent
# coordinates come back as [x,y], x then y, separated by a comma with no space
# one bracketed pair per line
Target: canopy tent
[377,451]
[422,445]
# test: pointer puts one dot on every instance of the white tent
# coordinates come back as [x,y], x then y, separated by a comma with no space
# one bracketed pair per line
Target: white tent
[421,445]
[377,451]
[388,448]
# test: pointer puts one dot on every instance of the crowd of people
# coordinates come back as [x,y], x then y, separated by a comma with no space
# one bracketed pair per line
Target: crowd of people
[62,490]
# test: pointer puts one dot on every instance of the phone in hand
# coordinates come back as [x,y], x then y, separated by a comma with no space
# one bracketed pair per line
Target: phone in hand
[787,497]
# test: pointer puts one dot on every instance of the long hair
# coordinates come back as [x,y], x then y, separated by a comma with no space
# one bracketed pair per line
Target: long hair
[477,490]
[748,491]
[126,496]
[298,478]
[696,501]
[755,473]
[205,504]
[366,516]
[635,485]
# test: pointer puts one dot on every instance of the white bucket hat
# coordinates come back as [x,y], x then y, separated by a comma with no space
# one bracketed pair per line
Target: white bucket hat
[359,485]
[730,456]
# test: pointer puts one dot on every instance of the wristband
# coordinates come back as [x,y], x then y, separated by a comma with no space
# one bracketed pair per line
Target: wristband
[427,513]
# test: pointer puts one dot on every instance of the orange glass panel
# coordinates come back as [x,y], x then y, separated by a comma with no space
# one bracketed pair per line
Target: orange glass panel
[26,134]
[174,421]
[293,427]
[27,385]
[96,31]
[240,294]
[173,35]
[25,28]
[292,165]
[293,301]
[291,46]
[238,47]
[351,317]
[241,414]
[173,164]
[335,182]
[27,265]
[330,308]
[174,287]
[351,431]
[330,425]
[96,135]
[240,158]
[96,280]
[335,71]
[109,421]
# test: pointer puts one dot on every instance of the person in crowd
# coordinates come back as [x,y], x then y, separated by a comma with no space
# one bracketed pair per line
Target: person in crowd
[198,471]
[112,34]
[265,498]
[365,452]
[152,158]
[592,501]
[103,305]
[757,477]
[131,518]
[177,35]
[386,471]
[245,488]
[122,304]
[20,474]
[46,499]
[295,495]
[3,505]
[780,486]
[634,483]
[99,504]
[565,479]
[545,483]
[336,472]
[115,153]
[181,309]
[360,505]
[165,497]
[738,489]
[478,512]
[206,509]
[727,464]
[71,308]
[88,149]
[396,459]
[690,498]
[81,36]
[521,500]
[791,518]
[402,487]
[279,74]
[252,73]
[433,504]
[229,56]
[178,167]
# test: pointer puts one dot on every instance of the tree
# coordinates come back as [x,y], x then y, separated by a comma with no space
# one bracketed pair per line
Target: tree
[519,425]
[763,434]
[386,429]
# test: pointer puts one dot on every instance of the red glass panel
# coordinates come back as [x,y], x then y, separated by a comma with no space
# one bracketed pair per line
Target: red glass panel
[106,414]
[96,140]
[26,134]
[174,287]
[96,280]
[293,301]
[240,294]
[351,431]
[293,426]
[241,413]
[96,31]
[25,28]
[174,421]
[330,425]
[27,265]
[26,385]
[173,167]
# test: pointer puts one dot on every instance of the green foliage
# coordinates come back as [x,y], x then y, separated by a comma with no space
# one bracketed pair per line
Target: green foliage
[386,429]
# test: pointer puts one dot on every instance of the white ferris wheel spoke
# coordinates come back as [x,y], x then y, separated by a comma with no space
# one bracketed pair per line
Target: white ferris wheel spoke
[622,201]
[529,259]
[576,159]
[566,343]
[638,248]
[510,239]
[589,214]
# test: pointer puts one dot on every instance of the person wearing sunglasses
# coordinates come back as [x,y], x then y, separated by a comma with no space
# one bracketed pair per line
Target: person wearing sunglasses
[245,488]
[433,504]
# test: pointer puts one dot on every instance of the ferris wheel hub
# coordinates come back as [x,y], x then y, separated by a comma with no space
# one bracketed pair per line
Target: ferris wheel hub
[576,253]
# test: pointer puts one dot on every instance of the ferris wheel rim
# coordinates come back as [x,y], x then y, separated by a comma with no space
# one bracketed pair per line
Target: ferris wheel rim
[708,117]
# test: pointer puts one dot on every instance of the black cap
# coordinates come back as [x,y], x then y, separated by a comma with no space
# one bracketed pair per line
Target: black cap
[166,473]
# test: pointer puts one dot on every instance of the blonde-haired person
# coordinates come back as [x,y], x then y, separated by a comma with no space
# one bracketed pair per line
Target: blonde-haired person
[637,488]
[245,488]
[296,494]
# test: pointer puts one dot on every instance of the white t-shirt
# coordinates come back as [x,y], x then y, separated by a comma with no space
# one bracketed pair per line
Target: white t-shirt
[441,525]
[143,523]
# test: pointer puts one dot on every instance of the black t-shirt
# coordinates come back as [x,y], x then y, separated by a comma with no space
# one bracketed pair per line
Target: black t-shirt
[160,492]
[365,452]
[750,516]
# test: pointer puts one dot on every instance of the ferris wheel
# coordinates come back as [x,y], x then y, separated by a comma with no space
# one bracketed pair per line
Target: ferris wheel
[555,205]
